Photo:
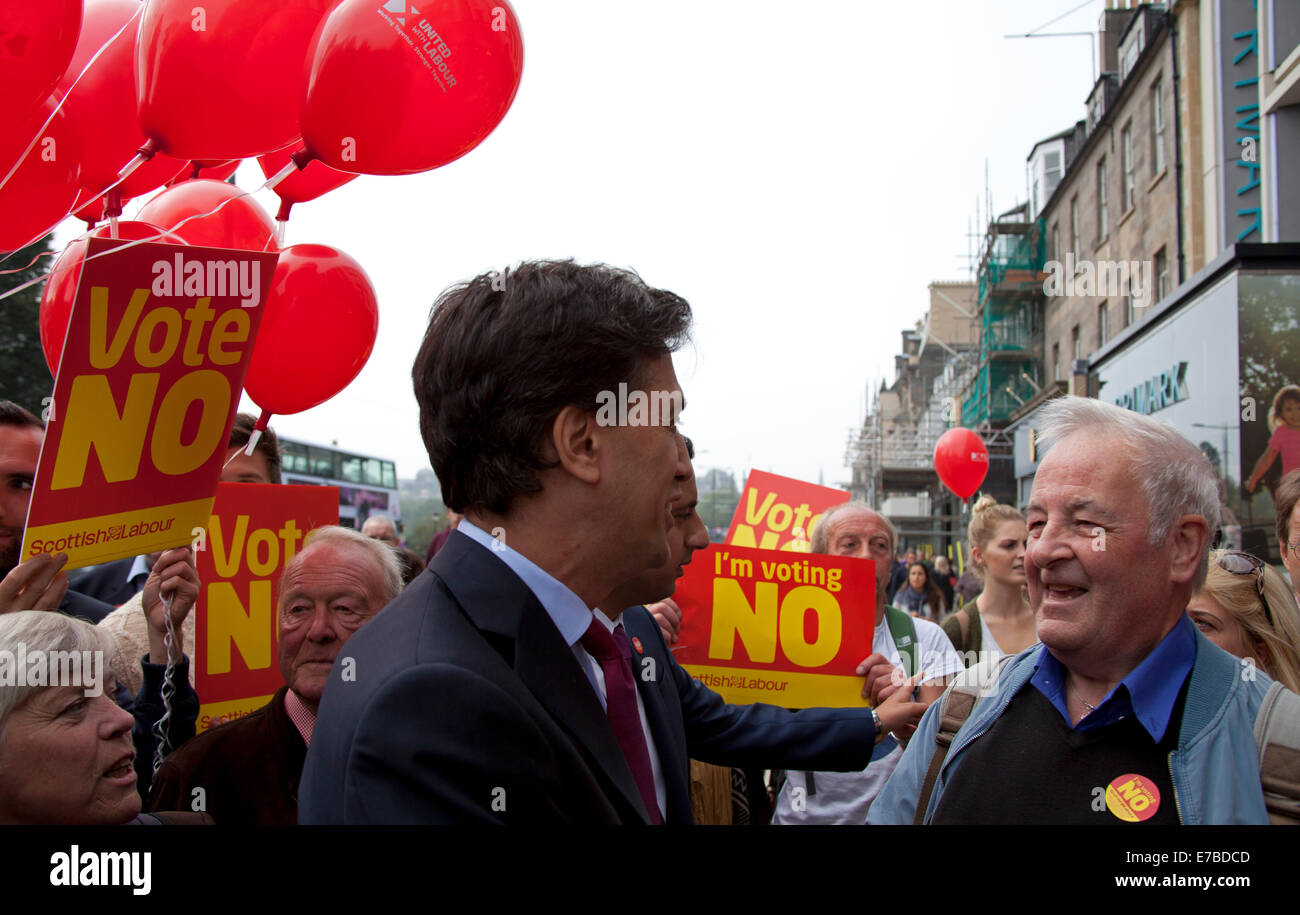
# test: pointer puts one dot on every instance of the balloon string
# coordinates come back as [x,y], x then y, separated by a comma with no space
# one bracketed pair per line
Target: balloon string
[162,235]
[30,263]
[90,63]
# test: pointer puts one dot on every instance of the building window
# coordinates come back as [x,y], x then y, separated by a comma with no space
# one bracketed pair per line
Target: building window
[1128,310]
[1056,241]
[1076,347]
[1101,199]
[1157,129]
[1056,362]
[1103,324]
[1162,275]
[1126,146]
[1074,227]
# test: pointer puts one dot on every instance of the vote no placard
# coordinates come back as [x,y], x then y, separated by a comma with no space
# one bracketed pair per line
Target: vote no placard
[253,532]
[157,347]
[777,627]
[778,513]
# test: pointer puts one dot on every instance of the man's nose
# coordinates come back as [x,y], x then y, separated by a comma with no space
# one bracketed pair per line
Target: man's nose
[1048,547]
[322,625]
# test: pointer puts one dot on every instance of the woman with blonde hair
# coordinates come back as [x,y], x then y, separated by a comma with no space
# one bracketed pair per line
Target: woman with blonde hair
[1246,608]
[1000,620]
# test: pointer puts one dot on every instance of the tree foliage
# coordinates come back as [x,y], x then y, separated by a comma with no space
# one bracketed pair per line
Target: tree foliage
[24,379]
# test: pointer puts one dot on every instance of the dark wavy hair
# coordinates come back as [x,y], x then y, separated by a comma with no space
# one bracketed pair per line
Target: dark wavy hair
[504,353]
[268,445]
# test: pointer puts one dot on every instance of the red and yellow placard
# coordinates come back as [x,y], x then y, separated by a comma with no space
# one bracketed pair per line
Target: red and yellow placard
[771,626]
[777,513]
[156,350]
[252,534]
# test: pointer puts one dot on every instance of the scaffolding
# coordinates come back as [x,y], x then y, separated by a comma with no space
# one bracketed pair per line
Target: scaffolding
[1010,294]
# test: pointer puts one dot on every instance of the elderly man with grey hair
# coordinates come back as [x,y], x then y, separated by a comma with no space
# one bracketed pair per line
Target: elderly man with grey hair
[1125,712]
[247,771]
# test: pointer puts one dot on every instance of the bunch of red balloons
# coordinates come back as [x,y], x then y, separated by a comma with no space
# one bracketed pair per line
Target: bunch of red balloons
[116,98]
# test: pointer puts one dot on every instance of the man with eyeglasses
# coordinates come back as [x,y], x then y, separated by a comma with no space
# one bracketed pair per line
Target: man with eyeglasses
[1125,712]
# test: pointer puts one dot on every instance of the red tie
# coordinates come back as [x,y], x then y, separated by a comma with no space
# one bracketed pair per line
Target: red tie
[615,657]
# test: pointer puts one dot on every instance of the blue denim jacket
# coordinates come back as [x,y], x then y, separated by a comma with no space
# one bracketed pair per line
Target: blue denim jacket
[1215,768]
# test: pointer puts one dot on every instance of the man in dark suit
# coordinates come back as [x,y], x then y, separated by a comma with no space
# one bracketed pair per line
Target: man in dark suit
[490,690]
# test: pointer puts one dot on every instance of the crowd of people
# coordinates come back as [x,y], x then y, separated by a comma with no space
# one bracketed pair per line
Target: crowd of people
[527,675]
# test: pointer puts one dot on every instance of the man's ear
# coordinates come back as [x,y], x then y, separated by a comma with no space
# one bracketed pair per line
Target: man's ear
[1187,541]
[576,441]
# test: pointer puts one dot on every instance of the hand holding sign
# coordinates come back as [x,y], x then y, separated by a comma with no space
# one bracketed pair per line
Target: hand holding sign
[171,590]
[879,682]
[37,584]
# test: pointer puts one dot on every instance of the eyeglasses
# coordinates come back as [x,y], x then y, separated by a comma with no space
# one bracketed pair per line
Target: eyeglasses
[1294,548]
[1239,563]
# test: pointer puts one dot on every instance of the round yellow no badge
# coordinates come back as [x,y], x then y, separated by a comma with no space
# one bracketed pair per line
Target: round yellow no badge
[1133,798]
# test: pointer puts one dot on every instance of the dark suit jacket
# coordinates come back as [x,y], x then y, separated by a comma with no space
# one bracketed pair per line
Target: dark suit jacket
[106,582]
[248,768]
[690,720]
[464,703]
[83,607]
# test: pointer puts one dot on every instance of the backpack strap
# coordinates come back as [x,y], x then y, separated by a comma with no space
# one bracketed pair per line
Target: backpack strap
[975,641]
[902,628]
[1277,737]
[954,708]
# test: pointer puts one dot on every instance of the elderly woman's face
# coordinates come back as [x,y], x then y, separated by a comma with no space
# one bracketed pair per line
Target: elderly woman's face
[66,758]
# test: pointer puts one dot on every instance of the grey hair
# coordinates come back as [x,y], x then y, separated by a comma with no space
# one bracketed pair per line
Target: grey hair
[382,553]
[1176,478]
[47,631]
[821,539]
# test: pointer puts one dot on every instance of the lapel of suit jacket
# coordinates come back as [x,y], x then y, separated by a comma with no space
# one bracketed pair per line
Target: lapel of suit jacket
[496,600]
[661,712]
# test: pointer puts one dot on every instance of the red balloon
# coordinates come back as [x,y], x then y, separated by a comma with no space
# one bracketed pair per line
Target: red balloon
[36,42]
[101,105]
[391,91]
[41,191]
[962,461]
[61,287]
[241,223]
[222,79]
[317,331]
[302,184]
[89,208]
[216,170]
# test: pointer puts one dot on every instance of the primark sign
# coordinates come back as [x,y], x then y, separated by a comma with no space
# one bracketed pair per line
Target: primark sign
[1157,392]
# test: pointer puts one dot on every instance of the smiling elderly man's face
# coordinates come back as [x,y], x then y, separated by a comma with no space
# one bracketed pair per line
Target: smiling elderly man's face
[1098,588]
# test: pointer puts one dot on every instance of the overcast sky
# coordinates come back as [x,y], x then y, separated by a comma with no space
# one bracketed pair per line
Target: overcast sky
[800,173]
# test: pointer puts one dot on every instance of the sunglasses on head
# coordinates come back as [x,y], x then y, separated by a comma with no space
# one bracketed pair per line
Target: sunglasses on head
[1239,563]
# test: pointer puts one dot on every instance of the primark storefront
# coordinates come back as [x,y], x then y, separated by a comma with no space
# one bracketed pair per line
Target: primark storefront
[1209,361]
